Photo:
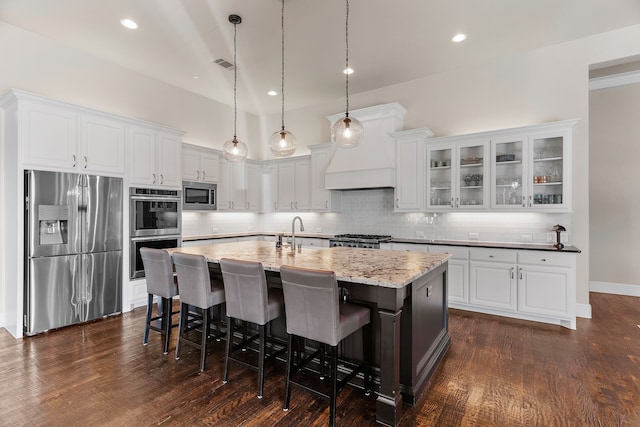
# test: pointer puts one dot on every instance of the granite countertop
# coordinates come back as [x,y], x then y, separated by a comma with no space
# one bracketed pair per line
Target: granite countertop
[391,269]
[467,243]
[491,245]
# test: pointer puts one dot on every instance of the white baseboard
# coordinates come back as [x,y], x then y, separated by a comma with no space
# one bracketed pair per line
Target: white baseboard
[1,319]
[615,288]
[583,310]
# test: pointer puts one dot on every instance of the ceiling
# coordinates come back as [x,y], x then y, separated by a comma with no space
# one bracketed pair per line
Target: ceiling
[390,41]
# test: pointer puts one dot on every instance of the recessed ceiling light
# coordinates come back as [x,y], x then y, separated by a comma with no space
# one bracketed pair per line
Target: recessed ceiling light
[348,70]
[195,76]
[459,37]
[129,23]
[272,93]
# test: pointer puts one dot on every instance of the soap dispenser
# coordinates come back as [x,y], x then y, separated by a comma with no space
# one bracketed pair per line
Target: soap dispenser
[558,229]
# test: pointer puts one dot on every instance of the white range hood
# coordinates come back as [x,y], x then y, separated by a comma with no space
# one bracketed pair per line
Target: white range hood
[372,163]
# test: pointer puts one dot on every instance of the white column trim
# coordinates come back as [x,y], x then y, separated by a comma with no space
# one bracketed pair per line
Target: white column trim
[614,80]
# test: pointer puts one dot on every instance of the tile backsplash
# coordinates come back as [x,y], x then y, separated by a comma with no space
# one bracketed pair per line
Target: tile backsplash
[371,212]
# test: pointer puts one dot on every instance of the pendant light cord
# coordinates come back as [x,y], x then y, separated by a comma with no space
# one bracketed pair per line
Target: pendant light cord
[235,84]
[347,58]
[282,77]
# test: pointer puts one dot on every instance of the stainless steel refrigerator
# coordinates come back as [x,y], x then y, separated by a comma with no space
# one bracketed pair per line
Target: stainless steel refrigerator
[73,244]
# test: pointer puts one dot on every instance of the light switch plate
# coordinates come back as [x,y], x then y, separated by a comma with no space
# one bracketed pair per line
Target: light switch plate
[551,237]
[526,238]
[420,234]
[474,236]
[318,229]
[214,230]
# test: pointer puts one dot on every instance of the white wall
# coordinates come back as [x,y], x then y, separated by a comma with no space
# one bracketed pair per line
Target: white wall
[614,178]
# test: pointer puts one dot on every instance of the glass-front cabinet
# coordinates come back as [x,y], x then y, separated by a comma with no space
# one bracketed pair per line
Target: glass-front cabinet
[457,176]
[531,171]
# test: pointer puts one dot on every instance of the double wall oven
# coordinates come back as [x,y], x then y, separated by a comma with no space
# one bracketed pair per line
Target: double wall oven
[155,221]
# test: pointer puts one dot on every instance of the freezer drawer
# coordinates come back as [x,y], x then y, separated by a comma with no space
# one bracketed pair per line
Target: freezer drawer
[53,299]
[103,291]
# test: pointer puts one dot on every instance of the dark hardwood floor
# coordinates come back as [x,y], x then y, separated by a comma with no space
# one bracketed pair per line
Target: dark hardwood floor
[498,372]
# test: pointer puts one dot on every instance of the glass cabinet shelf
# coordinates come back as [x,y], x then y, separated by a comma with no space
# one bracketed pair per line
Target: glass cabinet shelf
[548,159]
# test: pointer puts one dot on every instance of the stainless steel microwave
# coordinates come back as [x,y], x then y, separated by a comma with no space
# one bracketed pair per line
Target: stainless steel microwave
[199,196]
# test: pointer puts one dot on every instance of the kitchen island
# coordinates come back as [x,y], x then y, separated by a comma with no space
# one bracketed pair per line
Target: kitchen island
[408,290]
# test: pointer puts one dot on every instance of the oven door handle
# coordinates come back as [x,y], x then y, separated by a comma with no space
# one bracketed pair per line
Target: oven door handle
[156,199]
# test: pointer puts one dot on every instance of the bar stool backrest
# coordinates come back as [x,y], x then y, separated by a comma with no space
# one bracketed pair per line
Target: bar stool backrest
[194,279]
[311,303]
[158,271]
[245,288]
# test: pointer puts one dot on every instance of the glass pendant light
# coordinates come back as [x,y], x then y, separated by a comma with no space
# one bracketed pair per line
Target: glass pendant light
[283,143]
[347,131]
[234,150]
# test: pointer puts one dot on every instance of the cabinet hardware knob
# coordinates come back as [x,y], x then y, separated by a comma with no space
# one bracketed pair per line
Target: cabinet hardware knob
[490,256]
[326,204]
[85,162]
[521,274]
[204,175]
[452,205]
[543,260]
[292,205]
[154,177]
[74,161]
[512,272]
[161,179]
[197,174]
[397,203]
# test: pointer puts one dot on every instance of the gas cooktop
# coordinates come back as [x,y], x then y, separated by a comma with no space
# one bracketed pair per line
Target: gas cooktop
[371,241]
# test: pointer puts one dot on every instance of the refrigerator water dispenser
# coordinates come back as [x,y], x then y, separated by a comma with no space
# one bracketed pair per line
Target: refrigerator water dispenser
[53,221]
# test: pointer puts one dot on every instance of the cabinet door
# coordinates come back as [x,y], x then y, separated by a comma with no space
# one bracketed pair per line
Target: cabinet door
[224,186]
[169,160]
[508,182]
[238,187]
[545,290]
[209,166]
[320,198]
[142,156]
[285,186]
[471,167]
[548,175]
[409,176]
[191,165]
[49,137]
[102,145]
[458,281]
[302,185]
[493,285]
[440,179]
[254,187]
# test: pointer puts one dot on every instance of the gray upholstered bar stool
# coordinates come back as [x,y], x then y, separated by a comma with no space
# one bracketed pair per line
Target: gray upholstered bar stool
[197,289]
[158,271]
[313,311]
[249,300]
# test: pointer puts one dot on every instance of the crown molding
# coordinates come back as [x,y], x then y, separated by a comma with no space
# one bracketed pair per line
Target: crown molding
[614,80]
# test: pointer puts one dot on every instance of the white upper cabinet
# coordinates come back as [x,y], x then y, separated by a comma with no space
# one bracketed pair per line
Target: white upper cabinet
[526,168]
[155,157]
[200,164]
[59,137]
[409,187]
[531,169]
[457,175]
[254,186]
[293,184]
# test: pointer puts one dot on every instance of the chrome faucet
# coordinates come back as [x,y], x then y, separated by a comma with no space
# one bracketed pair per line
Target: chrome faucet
[293,232]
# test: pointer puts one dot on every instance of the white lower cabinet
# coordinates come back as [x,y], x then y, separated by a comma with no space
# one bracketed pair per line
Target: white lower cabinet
[492,281]
[525,284]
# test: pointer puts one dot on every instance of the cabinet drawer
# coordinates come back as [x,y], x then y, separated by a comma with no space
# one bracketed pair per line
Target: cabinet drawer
[499,255]
[546,258]
[457,252]
[416,247]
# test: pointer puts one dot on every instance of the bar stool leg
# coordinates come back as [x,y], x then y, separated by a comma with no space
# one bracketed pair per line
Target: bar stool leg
[184,313]
[261,357]
[334,385]
[287,387]
[205,334]
[229,345]
[146,329]
[166,322]
[367,355]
